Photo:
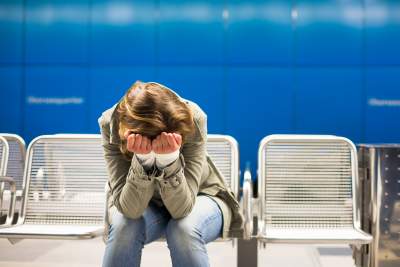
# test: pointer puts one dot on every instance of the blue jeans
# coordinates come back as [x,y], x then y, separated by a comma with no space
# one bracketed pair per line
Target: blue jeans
[186,237]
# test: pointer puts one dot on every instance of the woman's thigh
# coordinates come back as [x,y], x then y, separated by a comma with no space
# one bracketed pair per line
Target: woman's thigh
[151,225]
[205,220]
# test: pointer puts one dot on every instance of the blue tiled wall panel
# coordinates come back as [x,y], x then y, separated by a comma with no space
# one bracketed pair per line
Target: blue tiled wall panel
[191,32]
[57,31]
[260,103]
[123,32]
[56,100]
[382,32]
[382,105]
[11,21]
[108,85]
[329,101]
[259,32]
[255,67]
[202,85]
[328,32]
[10,99]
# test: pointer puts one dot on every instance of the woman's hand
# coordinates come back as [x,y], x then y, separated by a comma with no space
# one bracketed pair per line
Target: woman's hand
[166,143]
[137,143]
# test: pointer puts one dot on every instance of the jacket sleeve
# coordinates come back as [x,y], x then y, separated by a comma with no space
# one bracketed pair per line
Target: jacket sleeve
[131,187]
[181,179]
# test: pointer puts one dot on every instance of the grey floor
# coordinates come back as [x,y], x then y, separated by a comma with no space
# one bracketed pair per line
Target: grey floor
[88,253]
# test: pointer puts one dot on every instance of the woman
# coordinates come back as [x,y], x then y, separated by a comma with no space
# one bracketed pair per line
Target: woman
[161,181]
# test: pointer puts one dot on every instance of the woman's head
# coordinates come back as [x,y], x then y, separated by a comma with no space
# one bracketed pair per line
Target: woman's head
[149,109]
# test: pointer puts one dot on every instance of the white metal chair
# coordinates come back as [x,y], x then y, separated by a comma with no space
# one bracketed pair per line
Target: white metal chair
[307,191]
[4,159]
[4,154]
[16,160]
[15,168]
[224,152]
[63,189]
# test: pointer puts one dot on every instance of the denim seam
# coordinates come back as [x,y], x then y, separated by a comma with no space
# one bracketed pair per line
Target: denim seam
[151,225]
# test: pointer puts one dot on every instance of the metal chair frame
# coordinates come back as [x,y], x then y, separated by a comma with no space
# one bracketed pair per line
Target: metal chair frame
[5,151]
[46,231]
[22,150]
[358,238]
[235,173]
[13,234]
[16,146]
[5,179]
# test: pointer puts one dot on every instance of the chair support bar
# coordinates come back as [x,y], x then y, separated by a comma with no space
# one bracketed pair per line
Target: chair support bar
[13,190]
[247,205]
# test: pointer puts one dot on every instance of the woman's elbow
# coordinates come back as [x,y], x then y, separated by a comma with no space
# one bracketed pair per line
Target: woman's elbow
[132,212]
[183,211]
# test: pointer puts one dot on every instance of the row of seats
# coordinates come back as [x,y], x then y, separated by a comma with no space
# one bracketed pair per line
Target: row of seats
[307,188]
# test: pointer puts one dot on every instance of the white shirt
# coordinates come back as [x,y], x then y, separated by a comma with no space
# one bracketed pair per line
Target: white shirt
[161,160]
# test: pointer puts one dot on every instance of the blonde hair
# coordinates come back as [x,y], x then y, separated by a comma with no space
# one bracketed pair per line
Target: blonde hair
[149,109]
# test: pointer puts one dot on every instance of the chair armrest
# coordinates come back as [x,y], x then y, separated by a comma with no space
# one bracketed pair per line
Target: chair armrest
[247,205]
[13,190]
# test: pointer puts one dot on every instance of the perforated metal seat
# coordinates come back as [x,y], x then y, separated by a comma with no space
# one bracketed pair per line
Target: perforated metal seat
[14,168]
[64,189]
[308,190]
[64,185]
[4,159]
[16,159]
[4,154]
[224,153]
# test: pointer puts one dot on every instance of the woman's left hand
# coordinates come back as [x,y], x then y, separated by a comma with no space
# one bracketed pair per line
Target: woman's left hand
[166,143]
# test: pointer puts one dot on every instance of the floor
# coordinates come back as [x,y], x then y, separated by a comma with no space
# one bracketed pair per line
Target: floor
[88,253]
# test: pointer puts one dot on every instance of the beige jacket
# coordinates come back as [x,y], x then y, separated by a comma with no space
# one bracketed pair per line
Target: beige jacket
[176,186]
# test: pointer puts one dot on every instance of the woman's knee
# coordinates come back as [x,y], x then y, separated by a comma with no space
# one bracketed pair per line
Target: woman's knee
[125,229]
[201,226]
[182,234]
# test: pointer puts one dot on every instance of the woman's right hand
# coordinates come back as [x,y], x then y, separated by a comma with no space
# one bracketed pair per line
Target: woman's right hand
[137,143]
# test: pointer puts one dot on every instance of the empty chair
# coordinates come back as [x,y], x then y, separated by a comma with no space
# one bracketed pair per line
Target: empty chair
[16,159]
[14,168]
[307,188]
[63,189]
[4,154]
[6,220]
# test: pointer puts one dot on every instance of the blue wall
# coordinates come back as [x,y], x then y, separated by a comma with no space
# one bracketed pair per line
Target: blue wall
[256,67]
